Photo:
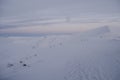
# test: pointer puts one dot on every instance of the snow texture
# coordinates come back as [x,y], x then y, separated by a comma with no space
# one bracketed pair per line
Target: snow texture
[92,55]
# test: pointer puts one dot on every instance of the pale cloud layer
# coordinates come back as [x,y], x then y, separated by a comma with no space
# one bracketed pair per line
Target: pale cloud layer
[59,7]
[50,16]
[59,28]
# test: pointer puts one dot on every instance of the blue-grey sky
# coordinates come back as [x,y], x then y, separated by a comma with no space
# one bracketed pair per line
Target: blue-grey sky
[59,7]
[26,14]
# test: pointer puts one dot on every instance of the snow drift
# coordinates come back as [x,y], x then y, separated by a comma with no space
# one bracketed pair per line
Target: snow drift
[85,56]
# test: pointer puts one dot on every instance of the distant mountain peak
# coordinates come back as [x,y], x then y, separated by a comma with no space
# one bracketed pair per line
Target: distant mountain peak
[98,31]
[103,29]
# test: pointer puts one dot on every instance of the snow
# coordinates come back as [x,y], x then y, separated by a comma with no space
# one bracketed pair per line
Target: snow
[91,55]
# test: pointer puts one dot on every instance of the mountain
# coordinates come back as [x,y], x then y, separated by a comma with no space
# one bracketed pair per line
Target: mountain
[95,32]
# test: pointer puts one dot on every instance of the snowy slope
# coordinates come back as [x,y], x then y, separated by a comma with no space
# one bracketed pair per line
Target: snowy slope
[92,55]
[97,32]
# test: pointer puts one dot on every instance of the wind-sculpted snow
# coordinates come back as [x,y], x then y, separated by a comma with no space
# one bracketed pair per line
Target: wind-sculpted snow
[61,57]
[95,61]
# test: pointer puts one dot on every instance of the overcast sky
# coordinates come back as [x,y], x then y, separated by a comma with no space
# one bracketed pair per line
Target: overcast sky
[17,13]
[59,7]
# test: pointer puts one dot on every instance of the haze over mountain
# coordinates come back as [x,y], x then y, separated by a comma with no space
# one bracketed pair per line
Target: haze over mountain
[59,39]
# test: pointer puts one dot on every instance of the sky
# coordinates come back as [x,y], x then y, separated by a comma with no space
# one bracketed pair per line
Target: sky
[57,16]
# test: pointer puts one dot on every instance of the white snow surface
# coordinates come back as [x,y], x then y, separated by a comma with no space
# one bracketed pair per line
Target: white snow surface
[92,55]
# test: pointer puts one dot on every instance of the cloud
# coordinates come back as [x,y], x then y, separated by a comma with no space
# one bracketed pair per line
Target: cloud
[59,7]
[52,15]
[57,28]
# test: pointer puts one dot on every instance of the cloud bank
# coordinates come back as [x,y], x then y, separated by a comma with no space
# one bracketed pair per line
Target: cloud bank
[55,16]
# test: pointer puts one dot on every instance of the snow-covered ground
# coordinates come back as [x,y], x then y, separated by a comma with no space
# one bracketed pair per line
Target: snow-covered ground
[91,55]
